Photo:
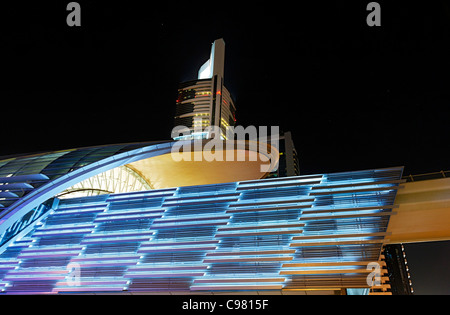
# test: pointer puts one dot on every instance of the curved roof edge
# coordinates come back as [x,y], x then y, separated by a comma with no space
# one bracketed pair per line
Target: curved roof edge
[30,201]
[22,212]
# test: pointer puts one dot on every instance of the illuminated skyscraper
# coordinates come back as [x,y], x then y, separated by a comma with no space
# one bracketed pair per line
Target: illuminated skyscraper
[206,102]
[288,163]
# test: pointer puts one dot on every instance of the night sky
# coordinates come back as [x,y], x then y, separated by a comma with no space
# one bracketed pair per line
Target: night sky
[354,97]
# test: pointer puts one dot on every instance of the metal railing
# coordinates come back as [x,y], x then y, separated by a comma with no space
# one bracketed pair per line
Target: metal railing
[426,176]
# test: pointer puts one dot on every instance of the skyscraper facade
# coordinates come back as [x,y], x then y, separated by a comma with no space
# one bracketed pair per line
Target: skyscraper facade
[206,102]
[400,282]
[288,162]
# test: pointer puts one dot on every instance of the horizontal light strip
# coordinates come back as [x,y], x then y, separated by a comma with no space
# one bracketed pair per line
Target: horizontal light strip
[94,288]
[127,217]
[152,193]
[154,267]
[179,225]
[231,280]
[107,263]
[257,227]
[186,203]
[48,254]
[328,217]
[154,274]
[23,178]
[130,212]
[52,248]
[320,272]
[289,184]
[119,235]
[358,184]
[63,232]
[63,227]
[116,239]
[104,257]
[299,179]
[195,218]
[170,243]
[10,277]
[261,252]
[41,271]
[176,249]
[25,242]
[199,197]
[8,195]
[257,209]
[76,211]
[68,207]
[15,186]
[318,210]
[235,287]
[352,191]
[247,259]
[276,201]
[8,267]
[138,195]
[325,264]
[97,281]
[337,243]
[316,237]
[258,233]
[7,261]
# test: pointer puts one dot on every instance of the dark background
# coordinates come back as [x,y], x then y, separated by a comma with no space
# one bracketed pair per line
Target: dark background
[353,96]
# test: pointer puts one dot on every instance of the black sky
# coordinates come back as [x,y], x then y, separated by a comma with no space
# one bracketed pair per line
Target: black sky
[353,96]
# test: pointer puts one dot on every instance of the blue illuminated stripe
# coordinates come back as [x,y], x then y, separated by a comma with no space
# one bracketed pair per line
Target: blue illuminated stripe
[24,178]
[160,226]
[159,274]
[233,279]
[83,229]
[107,263]
[259,227]
[300,180]
[105,257]
[130,212]
[141,195]
[104,235]
[246,259]
[79,210]
[67,226]
[49,249]
[176,249]
[199,197]
[123,217]
[155,267]
[235,287]
[93,282]
[209,200]
[252,252]
[259,233]
[187,218]
[49,254]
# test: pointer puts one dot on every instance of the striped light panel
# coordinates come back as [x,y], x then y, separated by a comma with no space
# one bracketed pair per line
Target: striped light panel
[294,233]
